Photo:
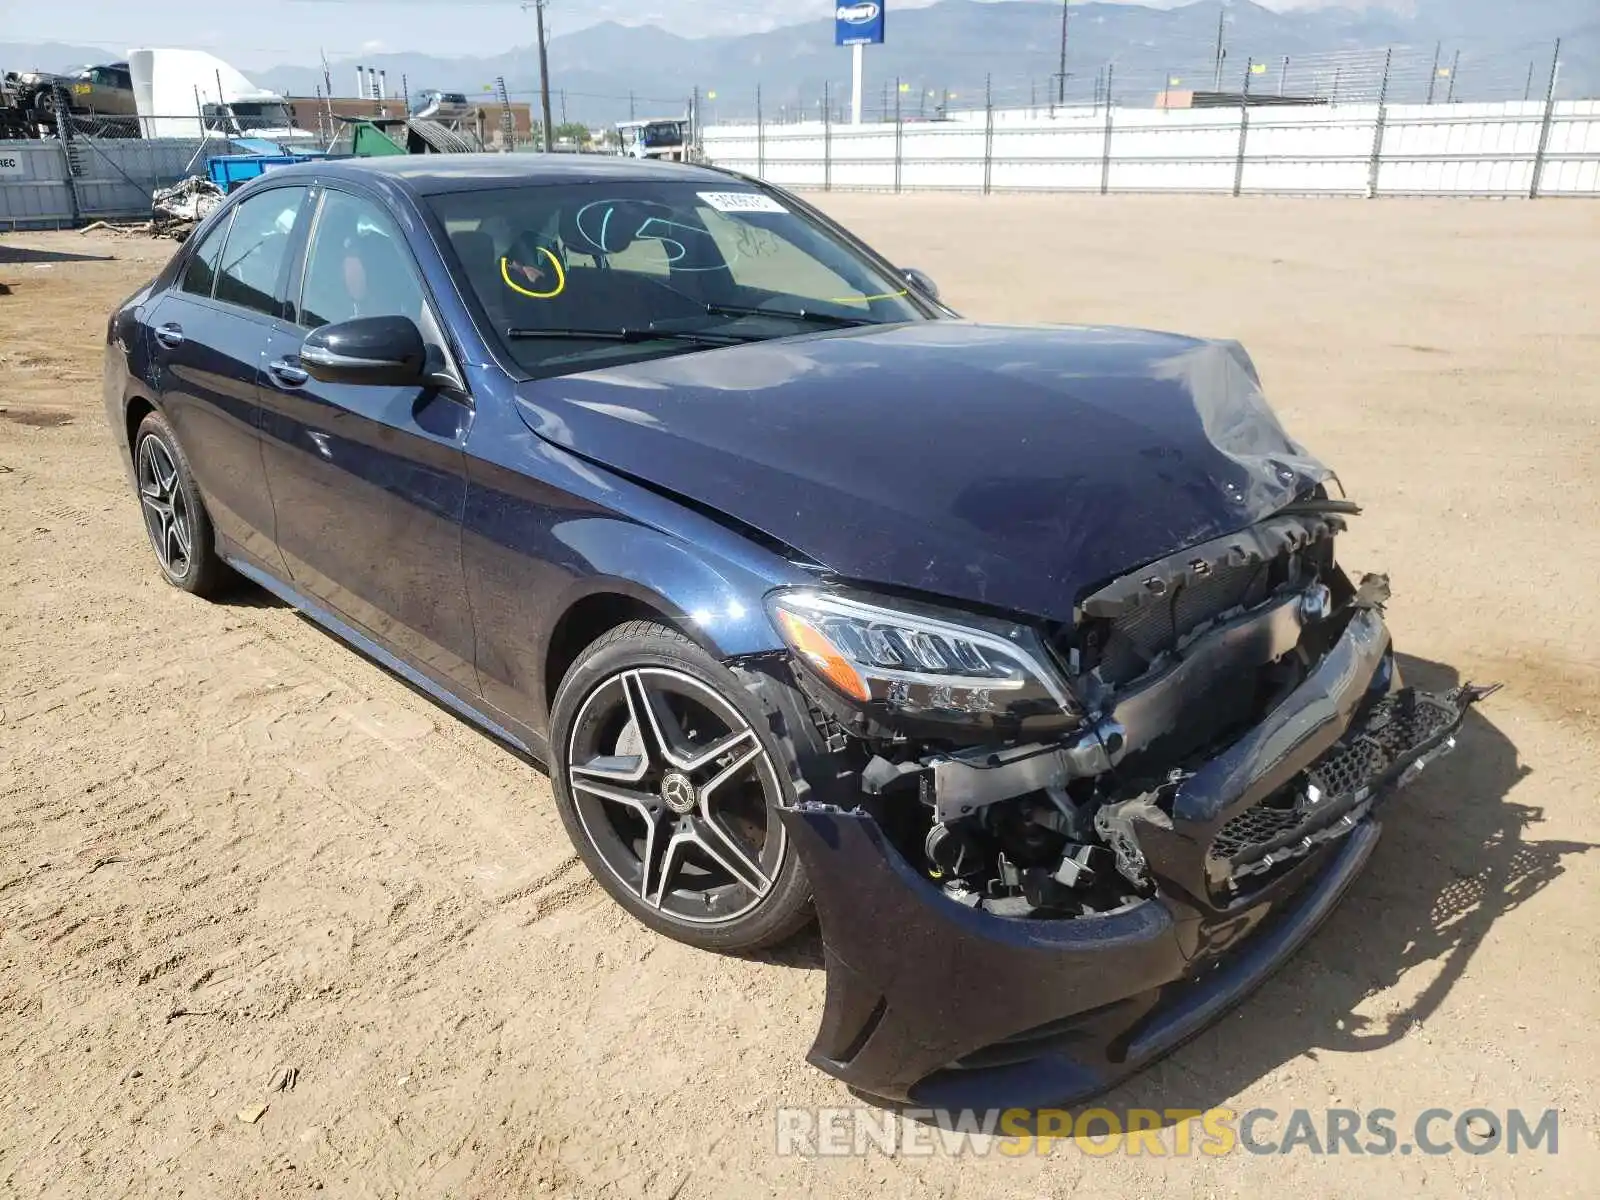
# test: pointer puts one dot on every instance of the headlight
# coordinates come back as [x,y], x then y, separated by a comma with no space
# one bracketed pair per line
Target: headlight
[917,660]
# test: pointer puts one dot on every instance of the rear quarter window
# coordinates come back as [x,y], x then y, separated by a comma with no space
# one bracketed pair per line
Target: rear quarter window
[200,273]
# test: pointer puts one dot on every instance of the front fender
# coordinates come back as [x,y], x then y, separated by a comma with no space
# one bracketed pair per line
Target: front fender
[711,599]
[545,531]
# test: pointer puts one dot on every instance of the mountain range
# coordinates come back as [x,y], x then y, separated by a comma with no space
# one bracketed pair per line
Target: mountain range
[945,52]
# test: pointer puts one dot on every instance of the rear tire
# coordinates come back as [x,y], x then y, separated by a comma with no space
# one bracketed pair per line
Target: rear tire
[175,516]
[669,782]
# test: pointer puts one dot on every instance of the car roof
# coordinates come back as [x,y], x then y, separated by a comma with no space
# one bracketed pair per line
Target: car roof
[431,174]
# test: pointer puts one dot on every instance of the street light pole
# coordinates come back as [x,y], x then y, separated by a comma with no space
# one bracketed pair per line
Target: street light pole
[1222,50]
[544,72]
[1061,76]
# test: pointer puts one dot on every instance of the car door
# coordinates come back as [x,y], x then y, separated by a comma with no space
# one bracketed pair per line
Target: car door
[369,482]
[208,335]
[109,92]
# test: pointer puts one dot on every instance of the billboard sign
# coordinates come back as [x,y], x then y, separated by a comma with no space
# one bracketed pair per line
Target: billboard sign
[858,23]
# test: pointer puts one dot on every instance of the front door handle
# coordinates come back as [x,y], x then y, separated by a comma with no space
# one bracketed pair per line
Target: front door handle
[288,374]
[170,335]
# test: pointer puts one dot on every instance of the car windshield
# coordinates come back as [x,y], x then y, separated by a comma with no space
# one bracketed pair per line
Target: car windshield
[253,115]
[720,260]
[667,133]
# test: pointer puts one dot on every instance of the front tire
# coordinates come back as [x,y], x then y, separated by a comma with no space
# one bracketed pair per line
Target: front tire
[667,779]
[175,517]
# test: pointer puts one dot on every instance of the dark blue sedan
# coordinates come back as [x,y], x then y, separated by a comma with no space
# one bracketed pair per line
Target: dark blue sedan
[1020,656]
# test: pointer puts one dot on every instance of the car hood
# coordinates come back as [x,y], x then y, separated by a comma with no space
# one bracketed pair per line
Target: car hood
[1003,466]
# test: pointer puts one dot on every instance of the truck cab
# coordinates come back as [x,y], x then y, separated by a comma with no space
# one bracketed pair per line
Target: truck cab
[661,137]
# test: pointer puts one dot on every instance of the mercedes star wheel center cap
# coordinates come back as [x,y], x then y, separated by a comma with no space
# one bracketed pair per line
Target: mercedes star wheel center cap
[678,793]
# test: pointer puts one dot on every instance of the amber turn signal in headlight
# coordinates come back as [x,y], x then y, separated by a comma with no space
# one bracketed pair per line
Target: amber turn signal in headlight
[813,645]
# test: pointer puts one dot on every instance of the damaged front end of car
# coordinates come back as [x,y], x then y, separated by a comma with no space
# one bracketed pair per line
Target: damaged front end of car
[1053,853]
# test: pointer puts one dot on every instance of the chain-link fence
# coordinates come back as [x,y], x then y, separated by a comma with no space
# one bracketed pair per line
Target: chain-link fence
[97,167]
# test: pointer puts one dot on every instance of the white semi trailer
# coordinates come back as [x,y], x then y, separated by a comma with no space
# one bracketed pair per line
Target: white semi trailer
[189,93]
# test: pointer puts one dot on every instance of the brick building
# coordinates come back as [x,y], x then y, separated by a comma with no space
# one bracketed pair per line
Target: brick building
[312,113]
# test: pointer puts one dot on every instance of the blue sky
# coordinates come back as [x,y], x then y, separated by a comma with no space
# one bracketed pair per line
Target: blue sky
[264,33]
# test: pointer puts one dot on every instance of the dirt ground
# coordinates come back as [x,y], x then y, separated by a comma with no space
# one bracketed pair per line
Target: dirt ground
[228,845]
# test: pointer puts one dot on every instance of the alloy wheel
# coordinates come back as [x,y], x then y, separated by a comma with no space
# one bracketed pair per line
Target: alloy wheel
[166,511]
[676,793]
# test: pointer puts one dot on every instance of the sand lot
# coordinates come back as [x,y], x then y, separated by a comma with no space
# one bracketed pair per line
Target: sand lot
[228,845]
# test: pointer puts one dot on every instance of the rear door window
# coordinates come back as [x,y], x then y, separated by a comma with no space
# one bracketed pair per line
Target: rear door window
[257,249]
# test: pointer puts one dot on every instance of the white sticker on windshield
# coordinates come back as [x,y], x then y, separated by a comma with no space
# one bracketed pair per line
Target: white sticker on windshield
[742,202]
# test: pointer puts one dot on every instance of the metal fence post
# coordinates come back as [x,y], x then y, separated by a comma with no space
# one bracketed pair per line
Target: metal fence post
[1105,159]
[1244,127]
[1544,128]
[988,133]
[899,136]
[1377,128]
[761,139]
[69,156]
[827,140]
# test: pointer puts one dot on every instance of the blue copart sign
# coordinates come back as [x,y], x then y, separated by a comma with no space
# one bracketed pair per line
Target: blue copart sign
[858,23]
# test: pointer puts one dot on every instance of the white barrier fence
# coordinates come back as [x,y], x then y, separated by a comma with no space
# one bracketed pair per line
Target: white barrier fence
[1520,148]
[52,184]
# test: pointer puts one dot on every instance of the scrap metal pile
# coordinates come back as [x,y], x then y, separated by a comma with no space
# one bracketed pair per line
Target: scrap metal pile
[180,208]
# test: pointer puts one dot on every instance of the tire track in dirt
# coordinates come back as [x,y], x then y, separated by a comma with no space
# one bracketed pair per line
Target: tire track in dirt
[221,812]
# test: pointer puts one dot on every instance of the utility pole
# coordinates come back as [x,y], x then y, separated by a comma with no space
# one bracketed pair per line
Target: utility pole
[1222,51]
[563,106]
[1455,65]
[544,71]
[1061,74]
[1433,75]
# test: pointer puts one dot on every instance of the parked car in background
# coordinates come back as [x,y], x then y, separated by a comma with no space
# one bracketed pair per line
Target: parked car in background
[1023,656]
[28,101]
[105,91]
[434,105]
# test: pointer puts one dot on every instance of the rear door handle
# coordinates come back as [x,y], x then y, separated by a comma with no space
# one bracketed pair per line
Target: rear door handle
[288,374]
[170,335]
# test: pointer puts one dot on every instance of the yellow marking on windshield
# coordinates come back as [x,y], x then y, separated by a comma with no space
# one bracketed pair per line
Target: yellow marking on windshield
[561,277]
[868,299]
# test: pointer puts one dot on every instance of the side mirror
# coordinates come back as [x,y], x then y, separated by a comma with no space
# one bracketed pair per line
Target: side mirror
[377,351]
[921,282]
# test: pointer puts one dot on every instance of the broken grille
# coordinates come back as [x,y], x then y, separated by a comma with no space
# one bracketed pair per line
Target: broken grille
[1258,826]
[1394,729]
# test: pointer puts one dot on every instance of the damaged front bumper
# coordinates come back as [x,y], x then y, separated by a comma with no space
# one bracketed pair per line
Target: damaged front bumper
[931,1002]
